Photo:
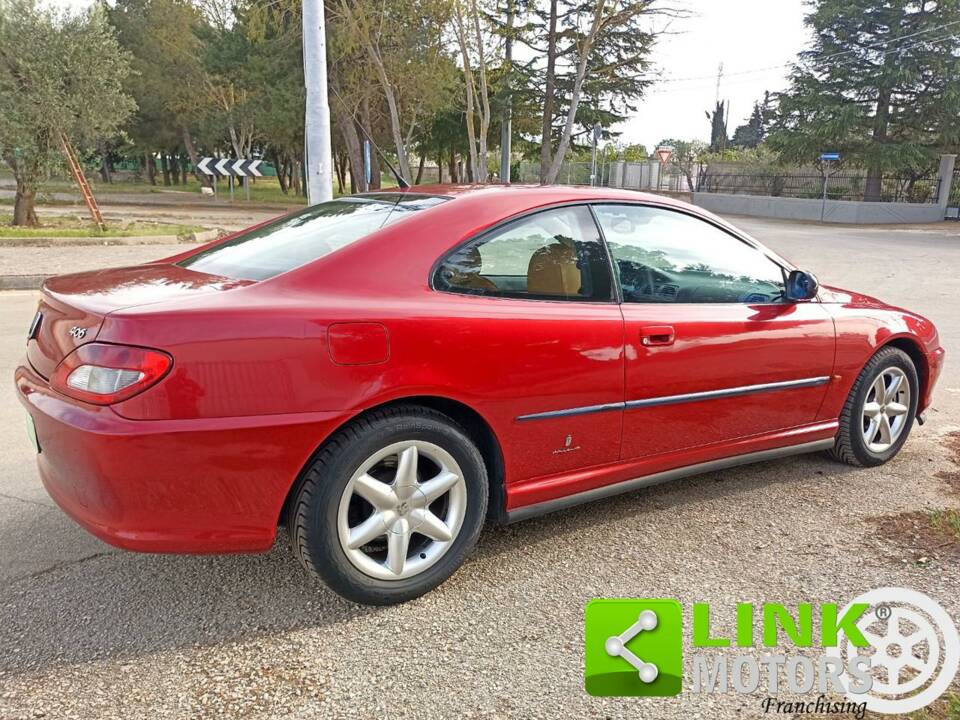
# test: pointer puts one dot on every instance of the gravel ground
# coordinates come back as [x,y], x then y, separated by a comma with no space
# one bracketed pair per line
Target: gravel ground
[89,631]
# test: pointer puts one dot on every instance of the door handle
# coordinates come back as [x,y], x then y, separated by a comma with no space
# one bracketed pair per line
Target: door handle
[657,335]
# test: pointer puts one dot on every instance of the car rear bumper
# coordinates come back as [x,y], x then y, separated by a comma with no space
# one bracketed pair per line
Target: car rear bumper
[180,486]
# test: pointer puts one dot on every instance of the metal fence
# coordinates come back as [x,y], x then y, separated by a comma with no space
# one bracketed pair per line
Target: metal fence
[571,173]
[844,185]
[648,175]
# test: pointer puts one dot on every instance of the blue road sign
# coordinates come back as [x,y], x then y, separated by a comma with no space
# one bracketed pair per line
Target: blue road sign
[830,156]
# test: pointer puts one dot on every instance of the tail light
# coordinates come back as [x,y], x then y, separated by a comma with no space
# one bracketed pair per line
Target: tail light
[104,374]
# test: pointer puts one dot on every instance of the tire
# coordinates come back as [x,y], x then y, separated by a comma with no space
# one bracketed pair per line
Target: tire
[852,447]
[328,497]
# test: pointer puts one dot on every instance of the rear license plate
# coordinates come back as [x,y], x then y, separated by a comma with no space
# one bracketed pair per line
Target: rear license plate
[32,433]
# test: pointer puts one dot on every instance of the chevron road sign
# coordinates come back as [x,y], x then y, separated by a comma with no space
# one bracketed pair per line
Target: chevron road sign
[227,167]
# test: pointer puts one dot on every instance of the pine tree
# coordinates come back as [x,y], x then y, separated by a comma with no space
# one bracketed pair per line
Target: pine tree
[880,84]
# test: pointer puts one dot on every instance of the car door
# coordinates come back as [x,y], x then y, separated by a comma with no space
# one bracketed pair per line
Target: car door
[713,351]
[534,339]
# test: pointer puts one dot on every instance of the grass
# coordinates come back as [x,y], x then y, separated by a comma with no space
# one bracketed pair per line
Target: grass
[73,227]
[264,190]
[946,707]
[947,521]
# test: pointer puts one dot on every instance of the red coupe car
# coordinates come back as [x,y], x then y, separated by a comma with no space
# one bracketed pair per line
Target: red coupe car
[381,373]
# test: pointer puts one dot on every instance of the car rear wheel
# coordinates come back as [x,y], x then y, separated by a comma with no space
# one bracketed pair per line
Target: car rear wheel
[879,412]
[391,506]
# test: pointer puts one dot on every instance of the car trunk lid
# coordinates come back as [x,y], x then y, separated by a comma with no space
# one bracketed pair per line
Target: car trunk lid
[72,307]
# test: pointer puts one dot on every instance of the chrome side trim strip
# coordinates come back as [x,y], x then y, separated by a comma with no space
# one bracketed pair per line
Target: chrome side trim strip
[675,399]
[529,511]
[727,392]
[585,410]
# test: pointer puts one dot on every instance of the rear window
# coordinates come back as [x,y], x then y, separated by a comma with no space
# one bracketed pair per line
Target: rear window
[297,239]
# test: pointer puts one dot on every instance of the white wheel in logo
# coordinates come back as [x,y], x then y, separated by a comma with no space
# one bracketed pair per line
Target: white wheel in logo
[915,645]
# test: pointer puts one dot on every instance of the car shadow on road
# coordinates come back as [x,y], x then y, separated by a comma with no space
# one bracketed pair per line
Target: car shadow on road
[115,605]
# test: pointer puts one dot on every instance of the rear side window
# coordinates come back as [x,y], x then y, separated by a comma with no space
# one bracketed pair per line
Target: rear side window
[550,255]
[297,239]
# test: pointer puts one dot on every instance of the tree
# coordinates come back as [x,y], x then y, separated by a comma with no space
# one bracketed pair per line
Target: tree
[403,44]
[718,127]
[168,80]
[596,51]
[880,84]
[477,95]
[67,77]
[753,132]
[686,155]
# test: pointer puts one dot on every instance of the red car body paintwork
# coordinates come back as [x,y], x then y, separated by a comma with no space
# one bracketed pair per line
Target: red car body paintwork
[264,372]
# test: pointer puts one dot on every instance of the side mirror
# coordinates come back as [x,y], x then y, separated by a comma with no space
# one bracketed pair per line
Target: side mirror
[801,285]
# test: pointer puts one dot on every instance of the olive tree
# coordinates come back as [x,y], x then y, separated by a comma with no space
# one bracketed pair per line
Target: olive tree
[59,73]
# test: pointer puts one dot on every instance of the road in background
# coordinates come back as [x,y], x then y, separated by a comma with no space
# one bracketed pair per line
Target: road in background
[90,631]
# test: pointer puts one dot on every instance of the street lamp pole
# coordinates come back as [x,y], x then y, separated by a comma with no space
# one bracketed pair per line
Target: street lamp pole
[317,131]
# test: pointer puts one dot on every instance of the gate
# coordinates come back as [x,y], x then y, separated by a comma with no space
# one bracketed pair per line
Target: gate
[953,202]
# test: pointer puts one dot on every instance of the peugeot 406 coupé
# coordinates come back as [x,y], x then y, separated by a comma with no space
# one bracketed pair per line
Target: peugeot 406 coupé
[380,373]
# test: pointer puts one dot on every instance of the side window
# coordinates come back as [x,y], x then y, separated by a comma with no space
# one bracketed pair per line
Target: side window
[550,255]
[666,256]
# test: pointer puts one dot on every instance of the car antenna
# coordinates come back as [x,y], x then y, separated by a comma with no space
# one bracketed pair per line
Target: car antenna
[399,178]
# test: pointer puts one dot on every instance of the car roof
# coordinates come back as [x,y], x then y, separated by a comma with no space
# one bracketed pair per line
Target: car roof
[539,193]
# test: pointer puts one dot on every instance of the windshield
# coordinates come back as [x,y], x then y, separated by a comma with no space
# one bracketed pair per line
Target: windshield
[302,237]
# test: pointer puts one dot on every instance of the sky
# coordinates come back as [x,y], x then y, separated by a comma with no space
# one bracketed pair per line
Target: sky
[742,34]
[745,35]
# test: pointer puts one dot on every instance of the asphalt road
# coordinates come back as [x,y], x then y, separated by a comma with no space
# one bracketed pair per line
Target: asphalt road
[89,631]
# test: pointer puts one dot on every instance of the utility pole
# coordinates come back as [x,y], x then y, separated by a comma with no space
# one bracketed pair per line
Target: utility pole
[716,97]
[505,124]
[319,170]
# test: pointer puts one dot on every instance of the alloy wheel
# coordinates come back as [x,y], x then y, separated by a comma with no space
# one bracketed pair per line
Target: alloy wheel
[885,409]
[402,510]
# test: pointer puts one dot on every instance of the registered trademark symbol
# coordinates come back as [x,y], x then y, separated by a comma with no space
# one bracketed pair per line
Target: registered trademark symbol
[882,612]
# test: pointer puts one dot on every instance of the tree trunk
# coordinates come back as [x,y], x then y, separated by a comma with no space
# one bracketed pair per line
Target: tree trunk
[338,169]
[546,127]
[454,178]
[175,168]
[183,169]
[24,210]
[440,167]
[873,187]
[480,168]
[150,164]
[351,139]
[506,120]
[104,161]
[469,86]
[585,47]
[396,128]
[165,168]
[280,172]
[423,160]
[204,179]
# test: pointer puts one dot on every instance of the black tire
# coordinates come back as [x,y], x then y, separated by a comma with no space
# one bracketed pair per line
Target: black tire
[312,519]
[851,448]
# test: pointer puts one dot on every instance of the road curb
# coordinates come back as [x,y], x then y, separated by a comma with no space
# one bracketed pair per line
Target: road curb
[21,282]
[202,236]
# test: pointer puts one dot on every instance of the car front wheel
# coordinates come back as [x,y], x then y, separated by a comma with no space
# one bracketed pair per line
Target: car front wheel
[879,412]
[391,506]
